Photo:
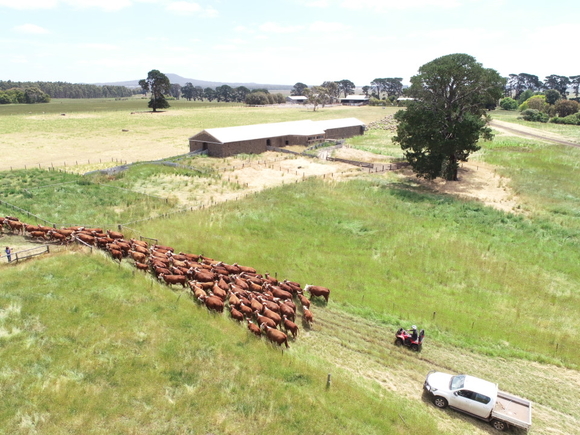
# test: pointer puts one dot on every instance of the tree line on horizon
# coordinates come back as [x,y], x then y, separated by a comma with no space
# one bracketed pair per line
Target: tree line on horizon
[41,92]
[381,91]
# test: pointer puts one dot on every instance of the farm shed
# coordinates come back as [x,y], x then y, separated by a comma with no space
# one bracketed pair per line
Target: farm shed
[354,100]
[296,99]
[255,139]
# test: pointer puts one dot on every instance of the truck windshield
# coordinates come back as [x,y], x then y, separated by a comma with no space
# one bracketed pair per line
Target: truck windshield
[457,382]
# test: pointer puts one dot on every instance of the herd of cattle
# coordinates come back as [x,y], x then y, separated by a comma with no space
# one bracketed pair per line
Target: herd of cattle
[265,304]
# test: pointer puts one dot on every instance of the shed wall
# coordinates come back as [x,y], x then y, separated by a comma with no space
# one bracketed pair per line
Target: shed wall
[344,132]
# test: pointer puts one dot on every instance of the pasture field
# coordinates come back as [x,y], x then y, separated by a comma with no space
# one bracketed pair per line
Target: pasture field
[94,134]
[87,347]
[498,293]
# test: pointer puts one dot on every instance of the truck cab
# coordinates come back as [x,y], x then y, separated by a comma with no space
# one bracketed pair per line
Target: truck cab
[479,398]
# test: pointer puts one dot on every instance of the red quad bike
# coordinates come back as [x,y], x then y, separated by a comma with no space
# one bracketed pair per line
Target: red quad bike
[405,338]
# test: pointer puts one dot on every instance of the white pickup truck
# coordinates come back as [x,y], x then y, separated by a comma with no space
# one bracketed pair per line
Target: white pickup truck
[479,398]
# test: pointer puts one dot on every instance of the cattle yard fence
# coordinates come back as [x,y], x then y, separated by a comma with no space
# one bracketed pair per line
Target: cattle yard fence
[26,253]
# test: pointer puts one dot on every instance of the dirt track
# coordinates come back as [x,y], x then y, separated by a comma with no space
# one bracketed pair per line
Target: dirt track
[520,130]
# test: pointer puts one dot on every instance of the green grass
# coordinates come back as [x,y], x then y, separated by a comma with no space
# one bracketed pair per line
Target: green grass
[127,355]
[124,355]
[69,199]
[545,177]
[380,250]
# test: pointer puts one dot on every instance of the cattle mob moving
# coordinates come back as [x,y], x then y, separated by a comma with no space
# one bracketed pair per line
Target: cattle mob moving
[266,305]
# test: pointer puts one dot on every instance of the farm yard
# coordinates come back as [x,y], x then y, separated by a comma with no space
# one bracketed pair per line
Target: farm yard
[488,266]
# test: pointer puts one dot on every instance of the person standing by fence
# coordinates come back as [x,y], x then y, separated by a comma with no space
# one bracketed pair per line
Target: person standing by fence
[8,253]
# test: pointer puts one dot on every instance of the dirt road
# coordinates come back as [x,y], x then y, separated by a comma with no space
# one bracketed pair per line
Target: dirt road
[530,132]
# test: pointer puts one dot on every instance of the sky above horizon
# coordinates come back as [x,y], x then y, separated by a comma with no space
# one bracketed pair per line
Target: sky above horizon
[279,42]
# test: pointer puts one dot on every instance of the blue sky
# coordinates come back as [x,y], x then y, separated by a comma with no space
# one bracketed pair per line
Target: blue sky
[280,41]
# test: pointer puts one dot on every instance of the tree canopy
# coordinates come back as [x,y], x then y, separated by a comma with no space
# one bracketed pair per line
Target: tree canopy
[158,84]
[443,125]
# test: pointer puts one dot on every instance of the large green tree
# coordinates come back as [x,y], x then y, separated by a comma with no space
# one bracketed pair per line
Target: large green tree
[442,126]
[346,87]
[158,84]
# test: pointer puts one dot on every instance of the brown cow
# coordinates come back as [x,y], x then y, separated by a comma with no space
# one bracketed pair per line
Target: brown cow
[286,310]
[116,254]
[217,291]
[114,234]
[37,235]
[316,290]
[254,329]
[53,235]
[138,256]
[198,292]
[142,266]
[174,279]
[290,326]
[190,257]
[274,335]
[89,240]
[160,270]
[307,316]
[163,248]
[140,249]
[213,303]
[264,319]
[102,242]
[204,276]
[139,243]
[279,293]
[303,300]
[65,231]
[236,315]
[16,226]
[246,310]
[272,315]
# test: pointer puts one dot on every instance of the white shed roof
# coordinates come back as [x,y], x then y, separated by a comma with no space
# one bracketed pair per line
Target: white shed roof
[260,131]
[356,97]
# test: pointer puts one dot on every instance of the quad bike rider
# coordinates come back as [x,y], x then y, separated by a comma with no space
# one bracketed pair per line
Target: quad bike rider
[411,339]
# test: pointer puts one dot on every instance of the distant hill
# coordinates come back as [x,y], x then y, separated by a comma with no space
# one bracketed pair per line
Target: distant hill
[174,78]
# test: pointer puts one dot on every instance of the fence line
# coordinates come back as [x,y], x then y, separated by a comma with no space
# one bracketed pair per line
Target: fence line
[44,249]
[372,168]
[27,213]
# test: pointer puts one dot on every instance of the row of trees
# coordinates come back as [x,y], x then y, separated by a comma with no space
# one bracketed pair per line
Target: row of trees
[380,88]
[226,94]
[159,86]
[70,90]
[29,95]
[517,84]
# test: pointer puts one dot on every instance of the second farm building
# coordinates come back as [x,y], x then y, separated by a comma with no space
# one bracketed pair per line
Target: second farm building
[256,139]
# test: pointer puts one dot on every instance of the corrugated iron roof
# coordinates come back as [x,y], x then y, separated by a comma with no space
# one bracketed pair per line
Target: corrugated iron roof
[262,131]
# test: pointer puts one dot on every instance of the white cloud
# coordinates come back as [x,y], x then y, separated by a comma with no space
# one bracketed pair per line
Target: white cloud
[29,4]
[383,5]
[107,5]
[31,29]
[317,3]
[97,46]
[185,7]
[322,26]
[272,27]
[225,47]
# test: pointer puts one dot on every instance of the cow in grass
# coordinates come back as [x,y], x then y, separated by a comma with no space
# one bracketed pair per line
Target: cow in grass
[274,335]
[316,290]
[174,279]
